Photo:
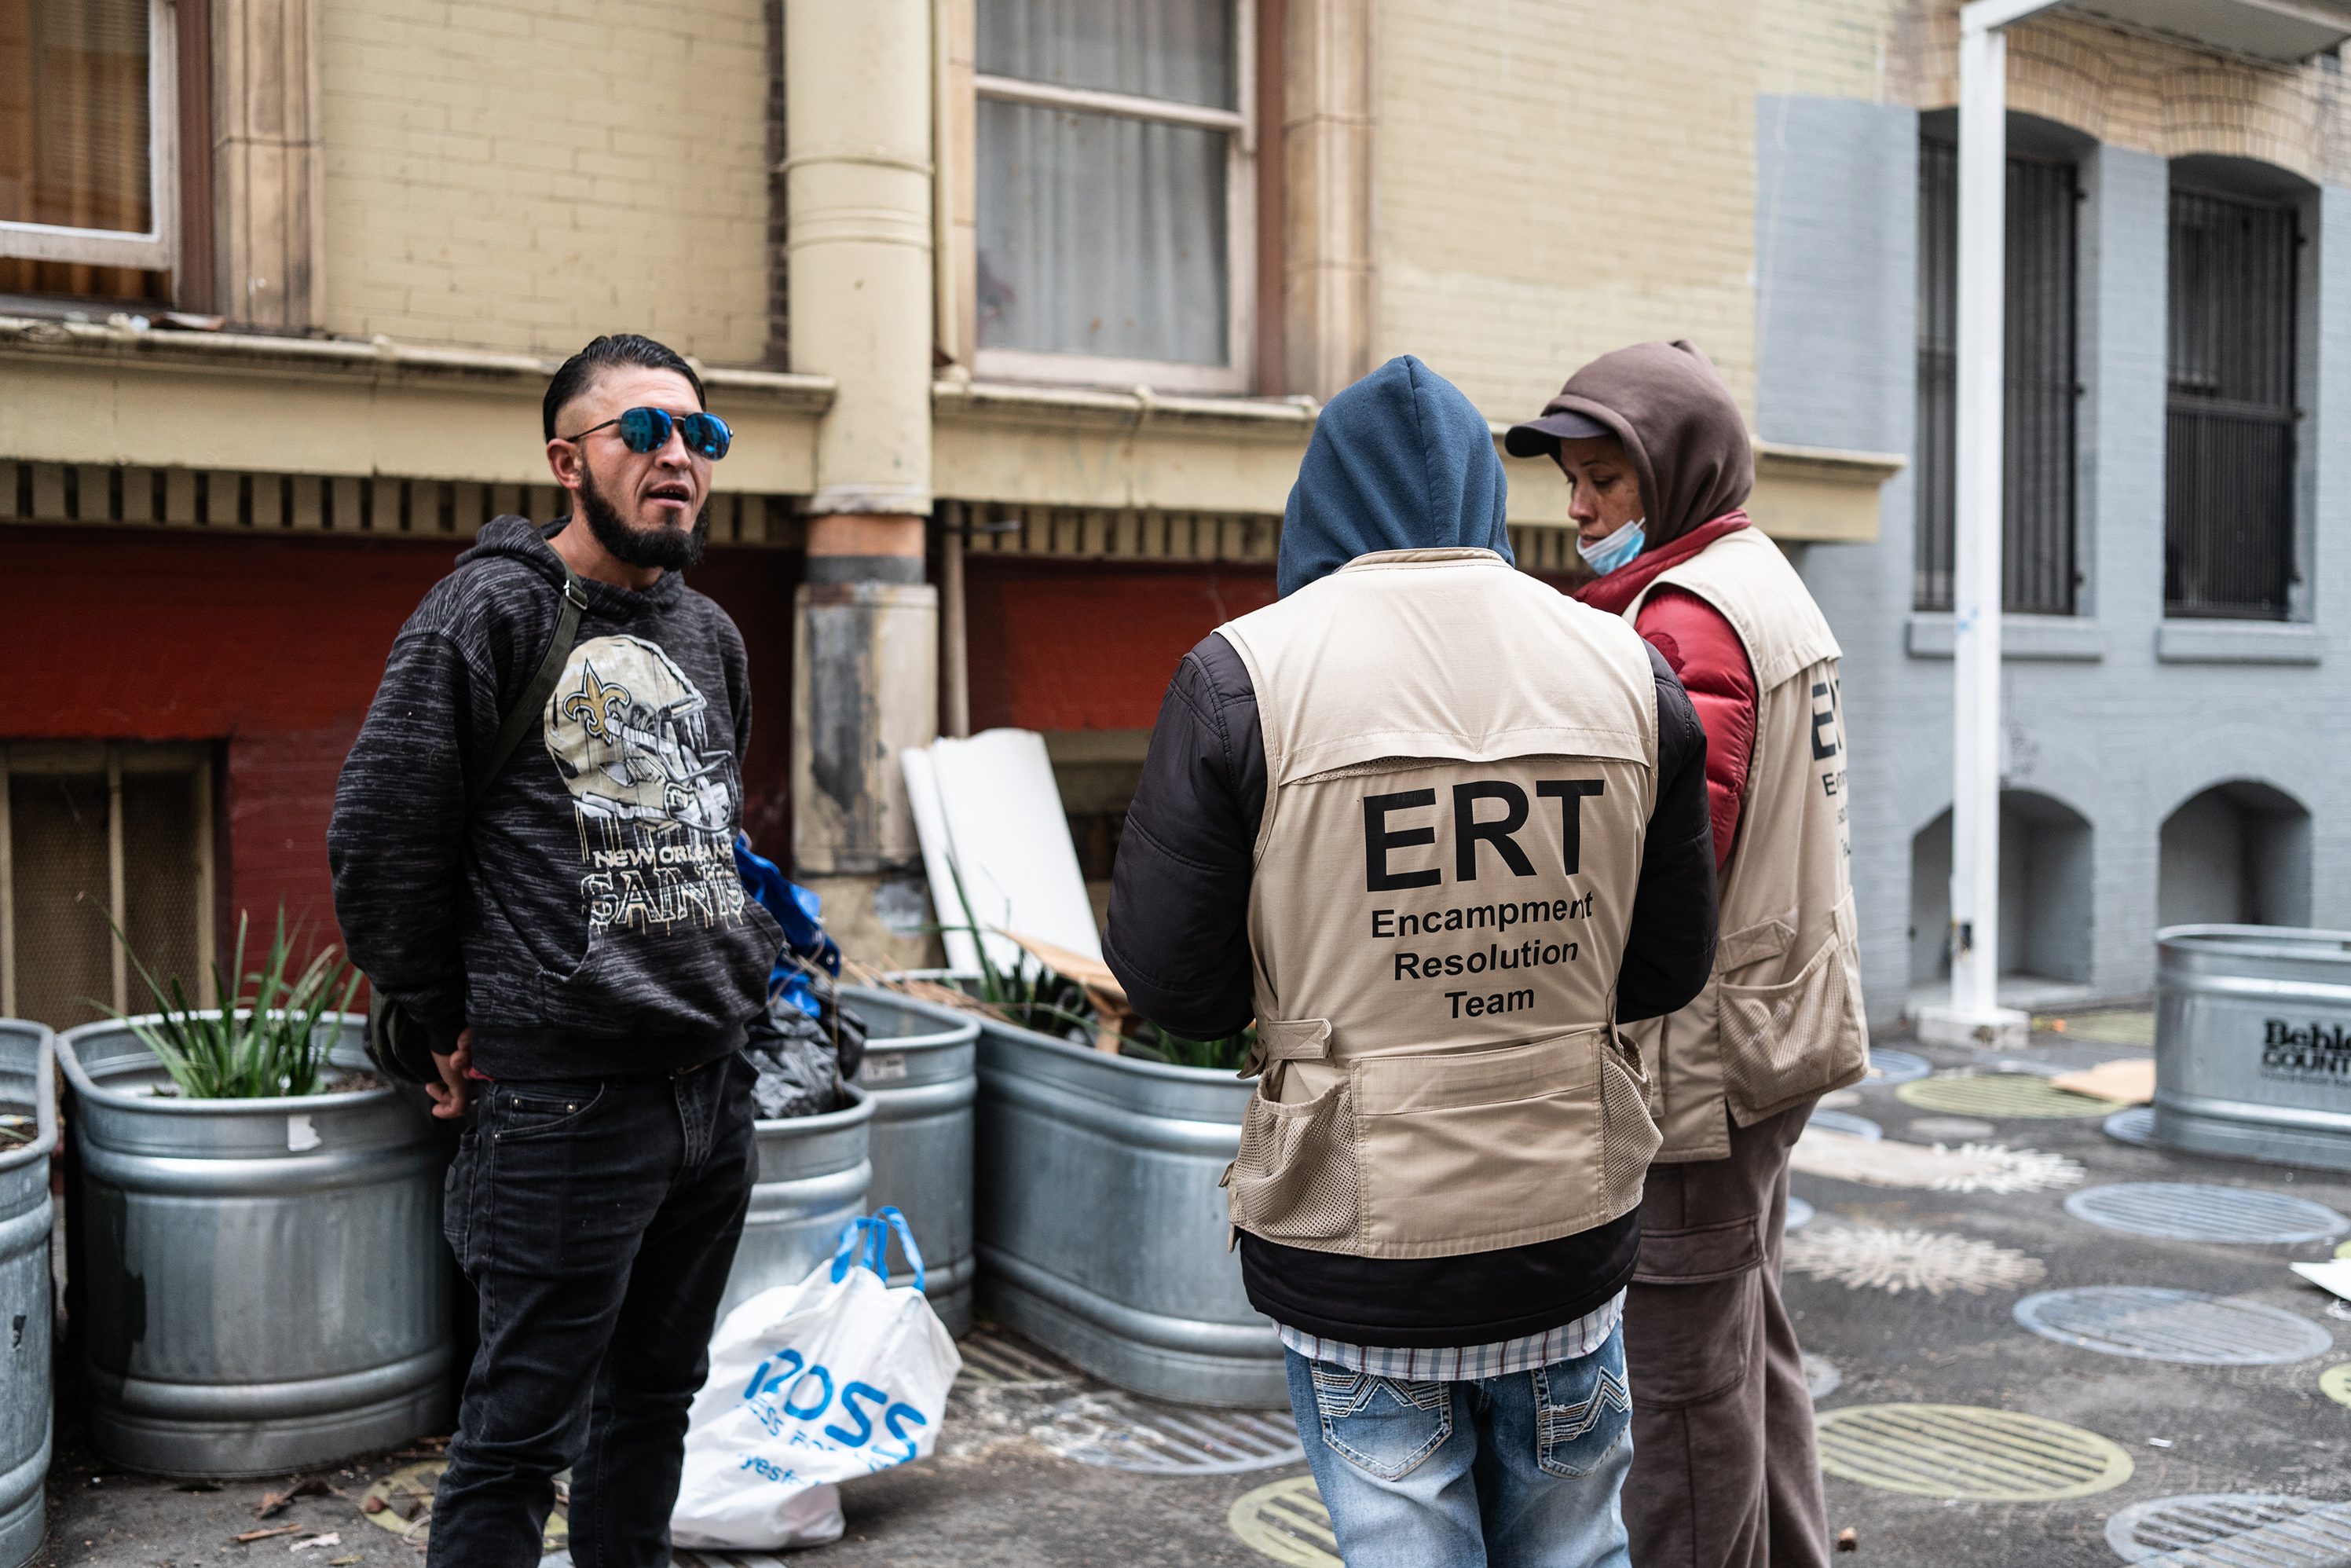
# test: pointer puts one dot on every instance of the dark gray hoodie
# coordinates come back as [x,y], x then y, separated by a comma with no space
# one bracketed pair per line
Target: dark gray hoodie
[583,916]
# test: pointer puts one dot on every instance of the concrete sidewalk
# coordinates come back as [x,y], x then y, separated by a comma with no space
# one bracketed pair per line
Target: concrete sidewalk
[1905,1296]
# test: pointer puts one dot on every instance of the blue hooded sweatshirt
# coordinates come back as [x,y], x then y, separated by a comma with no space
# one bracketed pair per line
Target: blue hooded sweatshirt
[1399,461]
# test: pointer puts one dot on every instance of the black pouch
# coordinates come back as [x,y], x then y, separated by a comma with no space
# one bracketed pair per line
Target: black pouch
[398,1044]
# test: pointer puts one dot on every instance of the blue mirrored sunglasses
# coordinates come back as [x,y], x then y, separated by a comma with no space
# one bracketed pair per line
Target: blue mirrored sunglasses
[647,430]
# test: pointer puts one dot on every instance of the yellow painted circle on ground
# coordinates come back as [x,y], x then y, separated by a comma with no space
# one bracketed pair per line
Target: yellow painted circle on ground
[1288,1522]
[1967,1452]
[2343,1249]
[406,1496]
[2336,1383]
[1998,1095]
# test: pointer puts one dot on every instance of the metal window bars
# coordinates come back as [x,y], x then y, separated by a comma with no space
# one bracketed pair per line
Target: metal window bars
[2039,574]
[2229,447]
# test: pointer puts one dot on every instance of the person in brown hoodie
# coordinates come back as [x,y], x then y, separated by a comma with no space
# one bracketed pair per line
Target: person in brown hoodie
[1725,1466]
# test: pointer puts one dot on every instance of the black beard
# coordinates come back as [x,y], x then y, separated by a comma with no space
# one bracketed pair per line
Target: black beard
[665,548]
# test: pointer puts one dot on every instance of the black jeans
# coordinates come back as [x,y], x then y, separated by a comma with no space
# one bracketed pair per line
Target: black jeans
[596,1221]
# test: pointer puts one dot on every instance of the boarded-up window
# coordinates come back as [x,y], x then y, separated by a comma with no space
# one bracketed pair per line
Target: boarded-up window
[92,838]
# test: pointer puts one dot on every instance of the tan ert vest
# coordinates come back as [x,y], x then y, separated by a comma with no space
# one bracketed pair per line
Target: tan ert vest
[1459,767]
[1782,1020]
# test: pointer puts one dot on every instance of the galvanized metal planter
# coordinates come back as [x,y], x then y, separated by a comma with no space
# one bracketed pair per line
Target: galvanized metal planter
[813,1173]
[1102,1230]
[28,1086]
[2252,1043]
[260,1285]
[921,1068]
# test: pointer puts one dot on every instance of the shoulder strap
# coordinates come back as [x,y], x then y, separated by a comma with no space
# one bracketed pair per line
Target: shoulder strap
[526,710]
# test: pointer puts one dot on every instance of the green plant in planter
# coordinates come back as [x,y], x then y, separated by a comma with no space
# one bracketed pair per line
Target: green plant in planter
[1223,1055]
[256,1046]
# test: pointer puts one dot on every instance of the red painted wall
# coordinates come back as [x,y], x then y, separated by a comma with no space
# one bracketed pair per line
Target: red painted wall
[273,647]
[1091,645]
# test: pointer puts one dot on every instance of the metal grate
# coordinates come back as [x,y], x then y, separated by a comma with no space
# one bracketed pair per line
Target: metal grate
[2038,439]
[2229,435]
[2233,1530]
[2183,1326]
[1103,1427]
[1999,1094]
[1846,1123]
[1800,1214]
[1287,1522]
[2183,1211]
[1896,1067]
[2136,1125]
[991,1356]
[1967,1452]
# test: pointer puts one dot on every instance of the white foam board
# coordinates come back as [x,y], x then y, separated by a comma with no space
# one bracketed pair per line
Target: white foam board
[988,807]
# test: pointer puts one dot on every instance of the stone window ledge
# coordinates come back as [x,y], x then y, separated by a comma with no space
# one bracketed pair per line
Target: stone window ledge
[2065,638]
[2237,643]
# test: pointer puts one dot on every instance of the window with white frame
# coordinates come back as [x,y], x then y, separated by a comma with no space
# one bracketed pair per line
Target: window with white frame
[88,117]
[1117,206]
[96,837]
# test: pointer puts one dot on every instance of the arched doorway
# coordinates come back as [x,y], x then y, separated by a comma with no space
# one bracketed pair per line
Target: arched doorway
[2045,900]
[2236,853]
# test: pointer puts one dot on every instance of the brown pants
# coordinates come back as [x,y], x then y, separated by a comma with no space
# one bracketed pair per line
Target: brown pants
[1725,1470]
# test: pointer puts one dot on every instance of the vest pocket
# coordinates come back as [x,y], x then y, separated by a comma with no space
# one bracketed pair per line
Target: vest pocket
[1784,1042]
[1465,1151]
[1295,1176]
[1628,1137]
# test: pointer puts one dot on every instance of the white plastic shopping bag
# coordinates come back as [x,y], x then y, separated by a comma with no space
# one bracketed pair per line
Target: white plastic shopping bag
[813,1384]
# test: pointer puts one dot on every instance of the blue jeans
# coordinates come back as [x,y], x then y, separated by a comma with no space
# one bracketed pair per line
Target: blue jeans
[596,1221]
[1519,1471]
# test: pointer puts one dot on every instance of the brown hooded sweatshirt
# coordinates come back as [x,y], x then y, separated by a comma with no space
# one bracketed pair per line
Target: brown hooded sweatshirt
[1782,1021]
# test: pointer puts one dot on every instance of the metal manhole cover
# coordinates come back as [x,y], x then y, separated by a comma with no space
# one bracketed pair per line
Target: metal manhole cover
[1120,1432]
[1896,1067]
[1845,1121]
[1967,1452]
[1288,1522]
[1998,1095]
[1800,1214]
[2184,1327]
[1822,1377]
[2233,1530]
[2336,1383]
[2136,1125]
[2188,1211]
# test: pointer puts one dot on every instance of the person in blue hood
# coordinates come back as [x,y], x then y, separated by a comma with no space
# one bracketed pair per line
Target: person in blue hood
[1400,460]
[1445,739]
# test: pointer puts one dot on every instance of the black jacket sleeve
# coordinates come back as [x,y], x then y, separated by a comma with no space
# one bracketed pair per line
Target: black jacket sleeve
[1669,946]
[1179,934]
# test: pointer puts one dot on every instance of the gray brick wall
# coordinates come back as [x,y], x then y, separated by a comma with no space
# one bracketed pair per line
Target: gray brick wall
[2124,738]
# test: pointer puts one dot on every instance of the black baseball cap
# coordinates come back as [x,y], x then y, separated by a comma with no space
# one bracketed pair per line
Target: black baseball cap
[1538,436]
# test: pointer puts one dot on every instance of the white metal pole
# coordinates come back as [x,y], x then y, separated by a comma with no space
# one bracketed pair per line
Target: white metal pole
[1974,1013]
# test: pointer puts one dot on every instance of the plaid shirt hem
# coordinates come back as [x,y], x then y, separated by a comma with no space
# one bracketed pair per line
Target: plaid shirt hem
[1465,1364]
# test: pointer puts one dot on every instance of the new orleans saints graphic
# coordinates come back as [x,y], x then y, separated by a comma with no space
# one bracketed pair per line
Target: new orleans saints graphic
[655,800]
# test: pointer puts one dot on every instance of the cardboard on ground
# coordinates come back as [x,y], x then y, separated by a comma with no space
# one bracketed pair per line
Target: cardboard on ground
[2126,1080]
[988,809]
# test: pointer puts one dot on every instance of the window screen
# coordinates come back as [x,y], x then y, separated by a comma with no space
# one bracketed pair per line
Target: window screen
[94,834]
[2038,570]
[2229,438]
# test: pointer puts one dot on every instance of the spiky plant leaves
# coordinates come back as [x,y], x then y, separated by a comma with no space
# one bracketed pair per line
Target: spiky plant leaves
[266,1039]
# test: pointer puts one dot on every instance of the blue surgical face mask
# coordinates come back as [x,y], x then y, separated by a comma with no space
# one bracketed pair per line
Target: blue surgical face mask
[1608,554]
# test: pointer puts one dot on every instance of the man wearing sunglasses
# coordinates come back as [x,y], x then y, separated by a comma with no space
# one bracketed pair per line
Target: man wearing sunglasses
[533,849]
